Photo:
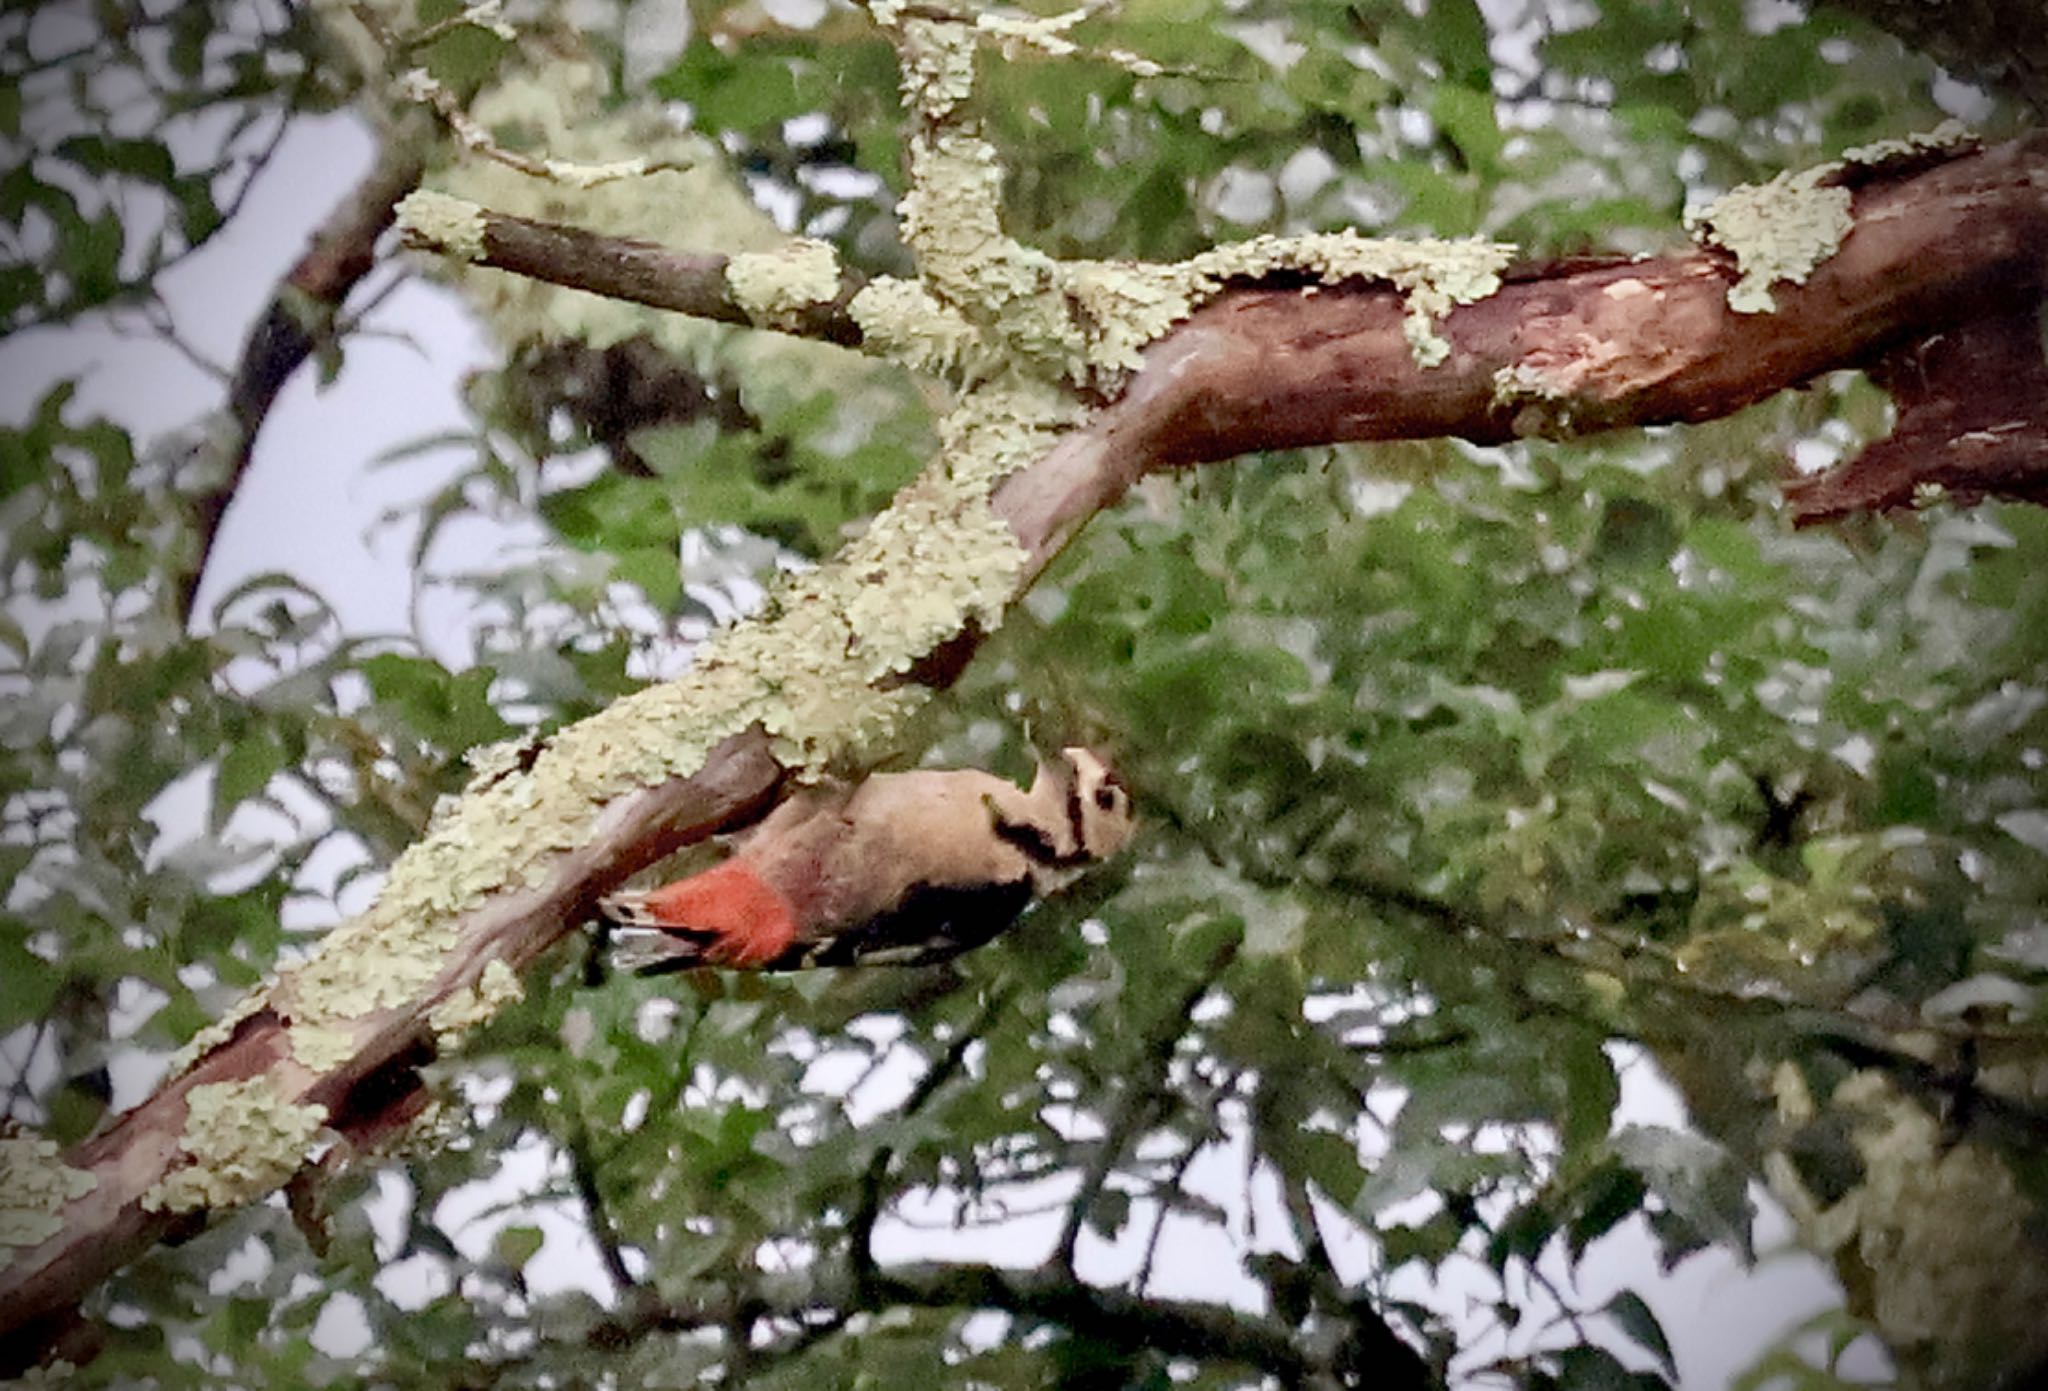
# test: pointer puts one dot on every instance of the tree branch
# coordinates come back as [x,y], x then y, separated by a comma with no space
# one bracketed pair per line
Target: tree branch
[1970,425]
[1122,1320]
[583,1171]
[1559,349]
[1562,349]
[291,327]
[1140,1103]
[867,1211]
[1578,347]
[1116,1317]
[640,272]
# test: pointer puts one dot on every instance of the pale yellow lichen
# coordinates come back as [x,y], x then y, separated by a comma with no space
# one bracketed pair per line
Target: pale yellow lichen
[810,672]
[1432,274]
[1949,136]
[582,176]
[900,320]
[1929,1240]
[1521,383]
[321,1047]
[1783,230]
[472,1005]
[452,226]
[489,762]
[34,1187]
[950,219]
[936,58]
[1087,322]
[1130,305]
[777,287]
[1540,406]
[937,51]
[1048,36]
[221,1029]
[243,1139]
[1778,231]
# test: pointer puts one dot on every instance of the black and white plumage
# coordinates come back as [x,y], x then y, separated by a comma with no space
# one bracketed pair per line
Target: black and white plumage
[902,868]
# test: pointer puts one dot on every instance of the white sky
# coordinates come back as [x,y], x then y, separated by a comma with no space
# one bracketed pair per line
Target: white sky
[310,507]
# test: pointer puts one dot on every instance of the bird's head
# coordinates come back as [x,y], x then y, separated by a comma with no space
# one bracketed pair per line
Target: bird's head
[1098,805]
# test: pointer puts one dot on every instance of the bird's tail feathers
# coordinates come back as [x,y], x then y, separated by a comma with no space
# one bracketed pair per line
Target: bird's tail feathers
[645,945]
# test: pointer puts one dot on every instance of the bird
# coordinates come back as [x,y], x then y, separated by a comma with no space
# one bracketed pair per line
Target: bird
[899,869]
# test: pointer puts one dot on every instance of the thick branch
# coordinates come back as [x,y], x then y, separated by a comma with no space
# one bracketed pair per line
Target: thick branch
[1573,348]
[1971,424]
[1561,349]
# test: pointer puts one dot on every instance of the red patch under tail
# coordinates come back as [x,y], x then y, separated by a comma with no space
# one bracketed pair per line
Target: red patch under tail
[748,921]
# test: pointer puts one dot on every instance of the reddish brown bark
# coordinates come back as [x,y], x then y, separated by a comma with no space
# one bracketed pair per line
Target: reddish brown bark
[1586,345]
[1619,343]
[1973,423]
[109,1226]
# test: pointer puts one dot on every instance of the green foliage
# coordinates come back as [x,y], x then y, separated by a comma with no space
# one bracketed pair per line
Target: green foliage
[102,115]
[1471,778]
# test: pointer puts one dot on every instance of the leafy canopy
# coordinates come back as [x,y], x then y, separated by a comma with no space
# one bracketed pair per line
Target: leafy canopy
[1462,769]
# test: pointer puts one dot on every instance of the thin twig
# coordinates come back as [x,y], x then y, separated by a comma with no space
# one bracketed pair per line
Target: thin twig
[860,1227]
[584,1172]
[296,321]
[641,272]
[1173,1188]
[1140,1103]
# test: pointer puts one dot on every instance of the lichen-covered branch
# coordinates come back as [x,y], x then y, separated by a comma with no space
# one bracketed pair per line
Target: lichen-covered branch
[1971,425]
[1913,253]
[1272,343]
[800,290]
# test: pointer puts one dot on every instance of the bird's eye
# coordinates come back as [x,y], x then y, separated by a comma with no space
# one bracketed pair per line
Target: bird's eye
[1105,797]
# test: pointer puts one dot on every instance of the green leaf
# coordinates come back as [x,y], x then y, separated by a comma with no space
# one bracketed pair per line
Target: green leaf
[245,770]
[28,984]
[1590,1368]
[728,92]
[1697,1181]
[1591,1093]
[1466,116]
[450,710]
[514,1246]
[148,160]
[1638,1321]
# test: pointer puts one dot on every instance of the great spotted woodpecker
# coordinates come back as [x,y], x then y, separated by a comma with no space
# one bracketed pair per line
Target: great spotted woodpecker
[904,868]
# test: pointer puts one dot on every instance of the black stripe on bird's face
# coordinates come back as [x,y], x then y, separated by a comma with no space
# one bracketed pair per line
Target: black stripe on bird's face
[1037,846]
[1077,818]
